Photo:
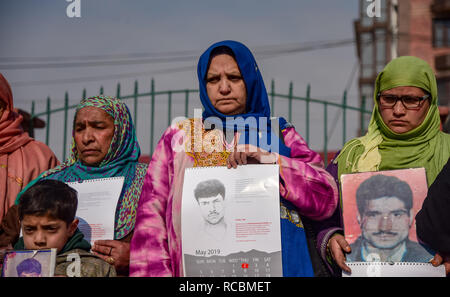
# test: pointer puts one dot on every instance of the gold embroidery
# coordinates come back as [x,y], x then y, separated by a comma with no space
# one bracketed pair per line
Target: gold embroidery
[207,148]
[291,215]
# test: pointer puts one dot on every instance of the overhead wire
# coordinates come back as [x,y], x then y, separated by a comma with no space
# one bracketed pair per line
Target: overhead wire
[263,52]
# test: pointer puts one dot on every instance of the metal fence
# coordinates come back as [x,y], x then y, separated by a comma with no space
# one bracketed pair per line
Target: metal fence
[155,98]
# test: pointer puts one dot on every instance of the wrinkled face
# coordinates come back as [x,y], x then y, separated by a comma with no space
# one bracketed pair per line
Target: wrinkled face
[225,85]
[93,132]
[398,118]
[44,232]
[212,208]
[385,223]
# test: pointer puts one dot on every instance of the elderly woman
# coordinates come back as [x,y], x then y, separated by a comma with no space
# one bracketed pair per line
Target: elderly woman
[105,145]
[403,133]
[230,85]
[22,158]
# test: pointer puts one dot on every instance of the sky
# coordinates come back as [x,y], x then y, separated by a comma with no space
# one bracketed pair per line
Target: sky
[167,37]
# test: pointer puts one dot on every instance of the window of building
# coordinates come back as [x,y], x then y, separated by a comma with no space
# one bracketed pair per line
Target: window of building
[441,32]
[366,55]
[443,85]
[380,37]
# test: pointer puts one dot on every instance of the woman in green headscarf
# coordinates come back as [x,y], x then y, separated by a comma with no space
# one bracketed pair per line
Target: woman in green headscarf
[401,135]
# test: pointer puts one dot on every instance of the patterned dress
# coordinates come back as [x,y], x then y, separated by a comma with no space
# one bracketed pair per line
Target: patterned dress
[156,244]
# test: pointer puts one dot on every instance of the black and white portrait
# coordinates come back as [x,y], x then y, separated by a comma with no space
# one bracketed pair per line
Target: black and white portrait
[210,196]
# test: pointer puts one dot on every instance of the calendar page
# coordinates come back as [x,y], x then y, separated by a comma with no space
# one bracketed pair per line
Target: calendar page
[231,221]
[394,269]
[97,203]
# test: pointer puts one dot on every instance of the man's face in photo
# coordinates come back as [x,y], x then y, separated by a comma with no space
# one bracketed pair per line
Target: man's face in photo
[385,223]
[212,208]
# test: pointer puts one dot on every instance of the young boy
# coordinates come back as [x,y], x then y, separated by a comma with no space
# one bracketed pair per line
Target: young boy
[47,215]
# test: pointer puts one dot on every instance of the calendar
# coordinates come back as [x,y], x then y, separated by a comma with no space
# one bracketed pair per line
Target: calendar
[231,222]
[97,203]
[394,269]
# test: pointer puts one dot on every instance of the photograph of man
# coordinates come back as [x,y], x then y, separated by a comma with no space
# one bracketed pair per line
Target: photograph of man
[385,216]
[210,196]
[29,268]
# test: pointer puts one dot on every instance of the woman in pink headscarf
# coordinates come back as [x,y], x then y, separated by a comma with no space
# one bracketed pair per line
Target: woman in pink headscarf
[22,158]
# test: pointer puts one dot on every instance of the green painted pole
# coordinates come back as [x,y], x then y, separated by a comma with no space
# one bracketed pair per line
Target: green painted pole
[101,90]
[118,91]
[325,133]
[84,94]
[135,104]
[186,104]
[32,120]
[363,108]
[291,87]
[344,118]
[308,99]
[169,108]
[47,134]
[66,109]
[152,121]
[272,96]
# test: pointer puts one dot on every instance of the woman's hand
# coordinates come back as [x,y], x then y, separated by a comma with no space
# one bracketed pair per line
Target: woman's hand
[249,154]
[116,253]
[439,259]
[336,246]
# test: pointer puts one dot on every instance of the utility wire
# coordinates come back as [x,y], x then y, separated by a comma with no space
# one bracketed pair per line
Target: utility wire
[263,53]
[99,78]
[265,49]
[266,53]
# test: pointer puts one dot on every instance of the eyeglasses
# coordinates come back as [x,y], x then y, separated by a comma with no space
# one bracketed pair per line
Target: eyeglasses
[409,102]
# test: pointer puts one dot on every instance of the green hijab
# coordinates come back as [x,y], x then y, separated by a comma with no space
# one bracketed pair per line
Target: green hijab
[381,148]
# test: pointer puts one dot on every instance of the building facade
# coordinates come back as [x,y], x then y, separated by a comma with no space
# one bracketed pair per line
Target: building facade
[390,28]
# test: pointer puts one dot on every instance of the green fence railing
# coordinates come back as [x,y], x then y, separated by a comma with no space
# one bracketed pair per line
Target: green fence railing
[167,97]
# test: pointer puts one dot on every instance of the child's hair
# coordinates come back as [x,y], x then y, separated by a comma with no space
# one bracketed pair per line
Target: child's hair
[29,265]
[49,197]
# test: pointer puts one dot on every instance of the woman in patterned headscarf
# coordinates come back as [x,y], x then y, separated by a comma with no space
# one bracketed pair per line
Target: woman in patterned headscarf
[231,85]
[105,145]
[403,133]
